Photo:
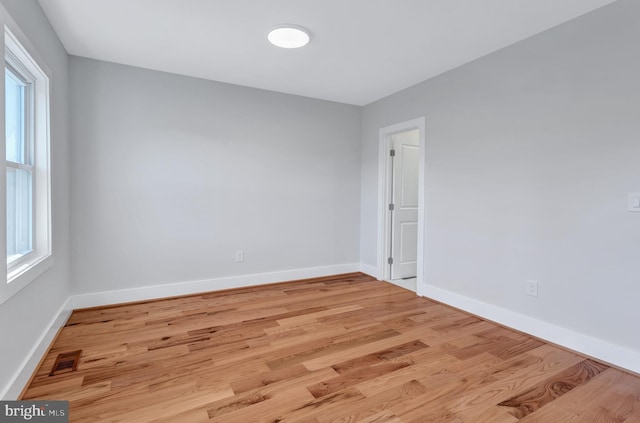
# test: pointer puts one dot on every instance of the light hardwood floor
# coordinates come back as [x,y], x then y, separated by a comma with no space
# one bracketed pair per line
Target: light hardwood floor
[342,349]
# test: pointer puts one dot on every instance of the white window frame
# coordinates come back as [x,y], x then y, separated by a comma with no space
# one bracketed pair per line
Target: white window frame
[22,270]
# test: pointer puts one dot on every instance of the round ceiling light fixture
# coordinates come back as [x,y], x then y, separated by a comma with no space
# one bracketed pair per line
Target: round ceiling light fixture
[288,36]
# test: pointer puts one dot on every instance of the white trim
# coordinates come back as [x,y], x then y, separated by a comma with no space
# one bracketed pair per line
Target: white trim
[20,274]
[579,342]
[22,375]
[369,270]
[382,270]
[153,292]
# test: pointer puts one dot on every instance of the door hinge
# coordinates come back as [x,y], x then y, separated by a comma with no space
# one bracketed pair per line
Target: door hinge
[391,207]
[390,260]
[392,152]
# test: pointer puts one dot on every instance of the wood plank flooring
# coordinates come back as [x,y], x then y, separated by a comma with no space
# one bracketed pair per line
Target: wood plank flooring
[339,349]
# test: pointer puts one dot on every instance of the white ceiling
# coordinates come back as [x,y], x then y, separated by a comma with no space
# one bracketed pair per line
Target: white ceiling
[361,50]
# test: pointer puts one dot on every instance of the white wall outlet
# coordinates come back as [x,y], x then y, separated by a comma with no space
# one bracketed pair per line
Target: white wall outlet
[239,256]
[532,288]
[633,202]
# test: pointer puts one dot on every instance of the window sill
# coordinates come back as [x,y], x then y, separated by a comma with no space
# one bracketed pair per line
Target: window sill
[22,275]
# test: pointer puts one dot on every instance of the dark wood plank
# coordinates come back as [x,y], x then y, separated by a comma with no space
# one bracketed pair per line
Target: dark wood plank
[540,395]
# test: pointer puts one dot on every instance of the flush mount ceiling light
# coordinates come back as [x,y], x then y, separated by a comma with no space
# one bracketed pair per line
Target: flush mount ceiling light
[288,36]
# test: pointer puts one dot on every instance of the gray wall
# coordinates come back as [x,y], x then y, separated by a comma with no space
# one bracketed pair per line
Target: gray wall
[27,315]
[531,152]
[173,174]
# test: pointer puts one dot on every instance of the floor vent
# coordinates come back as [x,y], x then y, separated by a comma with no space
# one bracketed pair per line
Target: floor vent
[66,362]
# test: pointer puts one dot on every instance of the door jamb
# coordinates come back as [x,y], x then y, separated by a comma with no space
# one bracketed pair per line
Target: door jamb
[384,189]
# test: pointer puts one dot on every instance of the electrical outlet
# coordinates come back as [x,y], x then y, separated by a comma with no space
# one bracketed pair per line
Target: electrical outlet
[532,288]
[239,256]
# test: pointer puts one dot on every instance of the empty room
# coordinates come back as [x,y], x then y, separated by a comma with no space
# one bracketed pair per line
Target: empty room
[321,211]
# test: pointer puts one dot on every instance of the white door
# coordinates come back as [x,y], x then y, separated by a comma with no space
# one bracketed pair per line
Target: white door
[404,216]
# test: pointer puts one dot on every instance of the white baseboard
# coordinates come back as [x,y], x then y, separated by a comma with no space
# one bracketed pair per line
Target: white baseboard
[144,293]
[372,271]
[29,365]
[369,270]
[596,348]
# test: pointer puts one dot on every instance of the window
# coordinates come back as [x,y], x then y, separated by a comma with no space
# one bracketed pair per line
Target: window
[19,145]
[28,205]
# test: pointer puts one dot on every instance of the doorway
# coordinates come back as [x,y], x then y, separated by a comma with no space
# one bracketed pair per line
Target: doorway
[401,205]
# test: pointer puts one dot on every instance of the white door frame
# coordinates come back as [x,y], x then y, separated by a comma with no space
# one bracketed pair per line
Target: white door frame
[384,197]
